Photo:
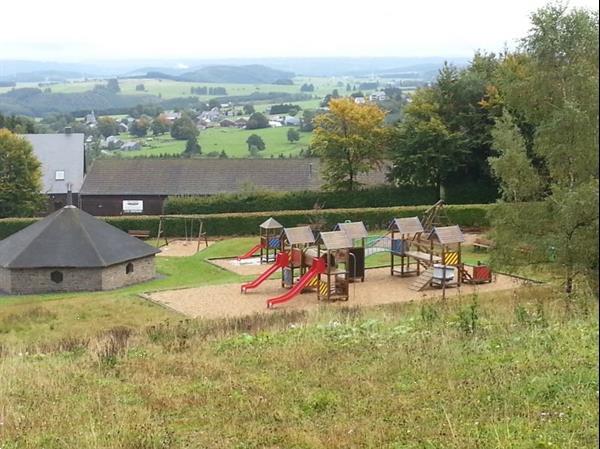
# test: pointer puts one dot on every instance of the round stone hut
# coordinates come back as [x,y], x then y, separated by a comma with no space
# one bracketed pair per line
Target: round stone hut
[70,251]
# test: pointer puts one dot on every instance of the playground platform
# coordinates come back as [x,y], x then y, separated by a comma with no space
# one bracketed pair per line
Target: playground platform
[225,300]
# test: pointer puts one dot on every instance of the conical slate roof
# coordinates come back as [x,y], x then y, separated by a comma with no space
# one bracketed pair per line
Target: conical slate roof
[70,238]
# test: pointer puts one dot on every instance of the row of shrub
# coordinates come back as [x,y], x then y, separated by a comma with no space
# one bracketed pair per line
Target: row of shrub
[471,193]
[247,223]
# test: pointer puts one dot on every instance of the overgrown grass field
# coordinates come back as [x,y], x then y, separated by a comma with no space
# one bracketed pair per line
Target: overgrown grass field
[109,370]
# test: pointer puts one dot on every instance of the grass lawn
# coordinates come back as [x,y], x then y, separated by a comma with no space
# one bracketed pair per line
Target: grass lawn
[232,140]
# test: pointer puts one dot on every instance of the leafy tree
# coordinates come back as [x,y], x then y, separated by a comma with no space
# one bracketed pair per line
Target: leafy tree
[139,127]
[426,152]
[107,126]
[214,103]
[548,147]
[335,94]
[325,102]
[255,143]
[257,121]
[159,125]
[192,147]
[20,177]
[19,125]
[140,88]
[248,109]
[308,116]
[113,85]
[307,88]
[293,135]
[351,140]
[183,128]
[223,155]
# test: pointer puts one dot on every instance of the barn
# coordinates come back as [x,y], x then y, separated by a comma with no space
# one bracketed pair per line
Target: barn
[69,250]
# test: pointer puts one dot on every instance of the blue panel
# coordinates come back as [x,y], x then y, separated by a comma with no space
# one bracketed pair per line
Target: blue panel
[398,246]
[274,243]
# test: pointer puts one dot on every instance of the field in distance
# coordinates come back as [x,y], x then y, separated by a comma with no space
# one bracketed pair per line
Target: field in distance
[232,140]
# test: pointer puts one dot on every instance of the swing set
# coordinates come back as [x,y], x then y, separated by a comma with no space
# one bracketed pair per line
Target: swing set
[192,225]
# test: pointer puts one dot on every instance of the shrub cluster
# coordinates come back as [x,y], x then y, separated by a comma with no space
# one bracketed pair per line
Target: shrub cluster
[374,197]
[247,223]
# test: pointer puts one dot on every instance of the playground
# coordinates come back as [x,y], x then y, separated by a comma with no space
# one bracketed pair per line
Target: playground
[301,268]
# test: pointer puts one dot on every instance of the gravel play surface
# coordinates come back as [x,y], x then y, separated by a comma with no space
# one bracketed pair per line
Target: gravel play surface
[221,301]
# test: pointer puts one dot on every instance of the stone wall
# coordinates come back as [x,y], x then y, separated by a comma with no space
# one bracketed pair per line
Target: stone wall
[4,280]
[116,276]
[40,280]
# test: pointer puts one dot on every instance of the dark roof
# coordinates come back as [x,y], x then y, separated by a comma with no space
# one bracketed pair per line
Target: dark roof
[447,234]
[205,176]
[70,238]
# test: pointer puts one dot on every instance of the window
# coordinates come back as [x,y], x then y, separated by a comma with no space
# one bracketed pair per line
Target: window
[56,277]
[59,175]
[129,268]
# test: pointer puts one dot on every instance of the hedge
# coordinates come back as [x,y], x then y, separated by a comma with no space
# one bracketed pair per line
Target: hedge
[470,193]
[474,215]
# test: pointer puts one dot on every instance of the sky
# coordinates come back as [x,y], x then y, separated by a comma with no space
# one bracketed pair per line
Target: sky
[76,31]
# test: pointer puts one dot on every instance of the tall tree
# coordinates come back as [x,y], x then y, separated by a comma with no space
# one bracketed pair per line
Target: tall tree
[20,177]
[550,86]
[108,126]
[183,128]
[255,143]
[351,139]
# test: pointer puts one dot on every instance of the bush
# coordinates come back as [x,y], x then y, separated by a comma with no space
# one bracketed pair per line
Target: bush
[375,197]
[247,223]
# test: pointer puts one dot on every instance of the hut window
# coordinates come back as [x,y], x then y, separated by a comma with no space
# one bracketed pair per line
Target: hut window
[59,175]
[56,277]
[129,268]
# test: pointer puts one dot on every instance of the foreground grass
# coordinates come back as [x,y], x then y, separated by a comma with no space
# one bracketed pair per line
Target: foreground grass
[502,371]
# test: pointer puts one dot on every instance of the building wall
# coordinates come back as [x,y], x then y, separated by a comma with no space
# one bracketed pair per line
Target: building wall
[38,280]
[30,281]
[111,205]
[4,280]
[116,276]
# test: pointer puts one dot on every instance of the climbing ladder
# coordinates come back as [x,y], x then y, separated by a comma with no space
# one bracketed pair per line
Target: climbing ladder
[422,281]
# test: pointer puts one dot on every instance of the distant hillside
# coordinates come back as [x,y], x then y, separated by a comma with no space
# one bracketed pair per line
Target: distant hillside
[245,74]
[46,75]
[34,102]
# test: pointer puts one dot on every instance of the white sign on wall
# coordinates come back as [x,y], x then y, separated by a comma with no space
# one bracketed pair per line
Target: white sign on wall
[133,206]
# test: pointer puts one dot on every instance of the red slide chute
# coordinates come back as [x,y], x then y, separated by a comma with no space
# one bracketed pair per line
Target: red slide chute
[318,267]
[251,252]
[281,261]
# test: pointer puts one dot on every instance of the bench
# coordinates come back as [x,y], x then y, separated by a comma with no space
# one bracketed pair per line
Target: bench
[139,233]
[483,244]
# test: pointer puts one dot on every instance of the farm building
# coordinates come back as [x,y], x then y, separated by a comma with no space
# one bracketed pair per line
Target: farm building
[117,187]
[69,250]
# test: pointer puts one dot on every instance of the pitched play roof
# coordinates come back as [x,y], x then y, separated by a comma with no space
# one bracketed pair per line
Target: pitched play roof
[271,223]
[447,235]
[70,238]
[336,240]
[354,230]
[299,235]
[408,225]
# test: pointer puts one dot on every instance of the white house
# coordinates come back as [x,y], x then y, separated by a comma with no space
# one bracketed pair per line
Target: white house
[377,96]
[291,121]
[359,100]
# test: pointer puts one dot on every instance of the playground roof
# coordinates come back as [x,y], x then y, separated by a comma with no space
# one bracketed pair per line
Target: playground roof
[271,223]
[408,225]
[70,238]
[354,230]
[336,240]
[447,234]
[299,235]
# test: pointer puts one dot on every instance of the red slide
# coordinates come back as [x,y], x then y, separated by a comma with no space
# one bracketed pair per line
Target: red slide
[281,261]
[318,266]
[250,253]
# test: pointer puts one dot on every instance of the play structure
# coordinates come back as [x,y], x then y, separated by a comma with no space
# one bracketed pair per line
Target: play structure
[435,216]
[357,235]
[269,243]
[192,225]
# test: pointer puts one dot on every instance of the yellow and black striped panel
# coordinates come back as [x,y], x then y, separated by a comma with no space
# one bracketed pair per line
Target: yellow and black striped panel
[451,258]
[323,288]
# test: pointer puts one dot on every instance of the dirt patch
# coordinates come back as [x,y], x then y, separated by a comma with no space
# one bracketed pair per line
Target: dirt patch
[221,301]
[243,267]
[182,248]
